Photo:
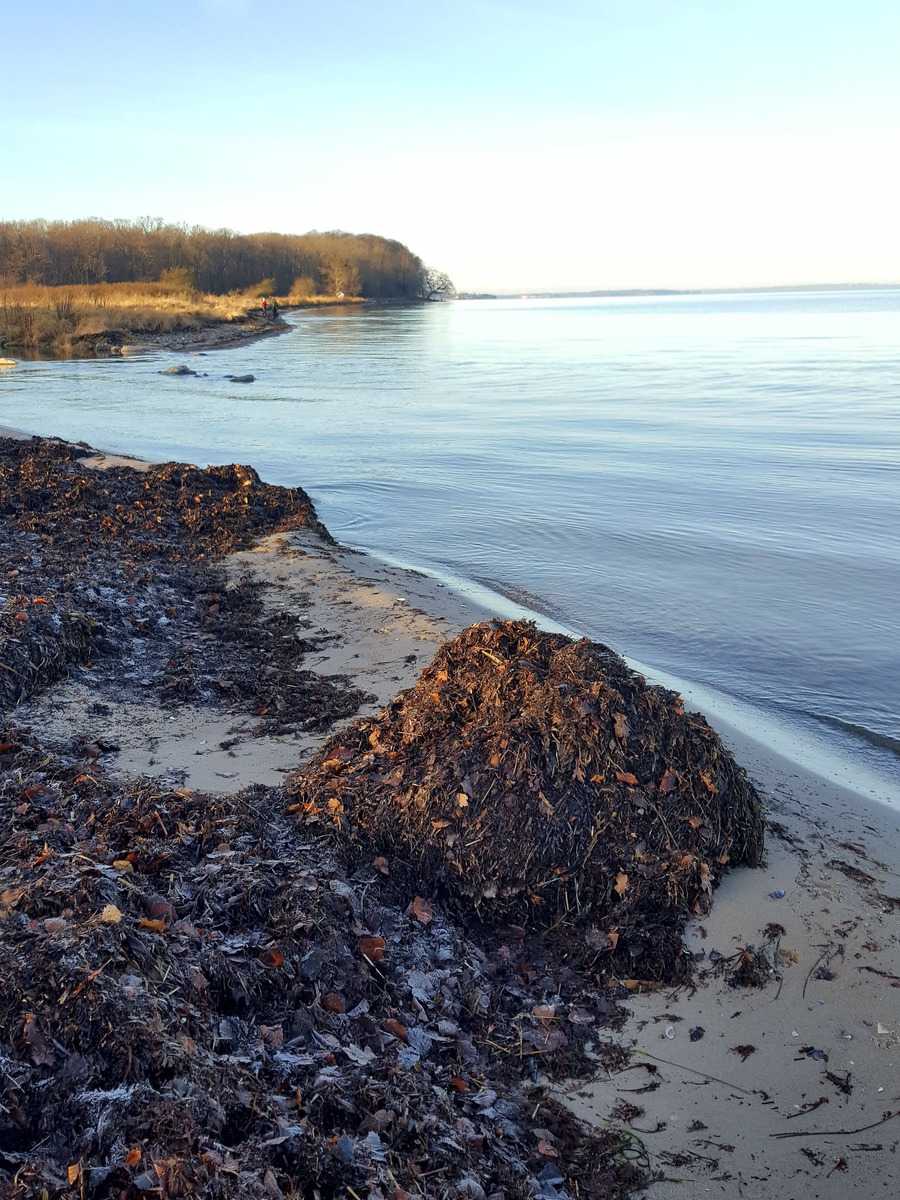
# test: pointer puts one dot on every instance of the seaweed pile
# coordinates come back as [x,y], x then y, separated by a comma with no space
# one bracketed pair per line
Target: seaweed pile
[534,778]
[118,569]
[198,999]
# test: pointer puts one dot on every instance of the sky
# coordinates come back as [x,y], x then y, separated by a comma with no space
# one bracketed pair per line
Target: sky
[517,144]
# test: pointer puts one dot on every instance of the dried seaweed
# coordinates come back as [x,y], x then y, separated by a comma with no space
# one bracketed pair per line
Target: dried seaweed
[534,778]
[199,1000]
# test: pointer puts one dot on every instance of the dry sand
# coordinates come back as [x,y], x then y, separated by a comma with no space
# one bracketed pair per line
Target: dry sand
[711,1122]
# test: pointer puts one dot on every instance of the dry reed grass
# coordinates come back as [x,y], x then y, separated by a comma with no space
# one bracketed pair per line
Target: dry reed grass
[68,319]
[63,319]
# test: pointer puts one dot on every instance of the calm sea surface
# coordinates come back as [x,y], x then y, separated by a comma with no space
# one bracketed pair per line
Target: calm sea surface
[710,484]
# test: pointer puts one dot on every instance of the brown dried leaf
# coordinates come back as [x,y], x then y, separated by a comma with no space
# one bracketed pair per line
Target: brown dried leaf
[422,910]
[334,1002]
[620,726]
[395,1028]
[110,915]
[372,948]
[73,1173]
[154,924]
[627,777]
[272,957]
[133,1157]
[621,884]
[669,782]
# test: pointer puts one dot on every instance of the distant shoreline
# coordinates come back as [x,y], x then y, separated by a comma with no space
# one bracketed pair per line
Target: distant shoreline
[637,293]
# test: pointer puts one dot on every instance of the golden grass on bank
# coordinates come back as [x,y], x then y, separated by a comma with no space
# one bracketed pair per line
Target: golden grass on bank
[66,319]
[59,319]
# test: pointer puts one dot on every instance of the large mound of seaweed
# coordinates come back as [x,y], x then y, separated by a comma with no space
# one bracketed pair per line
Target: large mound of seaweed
[530,777]
[199,1000]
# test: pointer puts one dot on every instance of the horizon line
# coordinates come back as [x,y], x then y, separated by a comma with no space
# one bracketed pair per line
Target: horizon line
[562,293]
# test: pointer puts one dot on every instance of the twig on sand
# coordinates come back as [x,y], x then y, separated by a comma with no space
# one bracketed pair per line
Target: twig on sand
[702,1074]
[888,1116]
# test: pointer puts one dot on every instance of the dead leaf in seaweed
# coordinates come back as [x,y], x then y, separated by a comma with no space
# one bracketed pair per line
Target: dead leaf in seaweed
[627,777]
[334,1002]
[668,782]
[372,948]
[621,884]
[272,957]
[421,909]
[546,1149]
[695,822]
[544,1012]
[43,856]
[133,1157]
[708,783]
[110,915]
[612,938]
[154,924]
[122,864]
[458,1083]
[395,1028]
[41,1053]
[380,863]
[620,725]
[9,899]
[462,799]
[73,1173]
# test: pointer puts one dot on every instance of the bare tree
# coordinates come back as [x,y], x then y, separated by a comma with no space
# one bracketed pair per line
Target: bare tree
[436,285]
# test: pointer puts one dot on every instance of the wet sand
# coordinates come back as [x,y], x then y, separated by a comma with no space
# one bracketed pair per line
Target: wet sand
[811,1106]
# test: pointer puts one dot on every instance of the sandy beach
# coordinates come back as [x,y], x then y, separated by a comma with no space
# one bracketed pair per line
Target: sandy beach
[786,1089]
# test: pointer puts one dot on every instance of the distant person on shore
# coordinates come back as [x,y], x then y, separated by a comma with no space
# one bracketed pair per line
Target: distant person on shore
[265,307]
[274,309]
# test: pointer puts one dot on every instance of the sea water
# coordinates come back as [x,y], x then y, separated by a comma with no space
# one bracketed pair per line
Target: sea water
[708,483]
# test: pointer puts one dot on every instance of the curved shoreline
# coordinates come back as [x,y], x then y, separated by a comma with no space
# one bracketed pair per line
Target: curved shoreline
[753,729]
[831,884]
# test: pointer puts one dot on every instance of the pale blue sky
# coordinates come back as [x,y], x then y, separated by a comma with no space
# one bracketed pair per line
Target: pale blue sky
[519,144]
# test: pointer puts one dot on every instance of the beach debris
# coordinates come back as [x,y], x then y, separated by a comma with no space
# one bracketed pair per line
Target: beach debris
[813,1052]
[743,1052]
[200,1000]
[531,778]
[241,378]
[119,568]
[778,894]
[697,1033]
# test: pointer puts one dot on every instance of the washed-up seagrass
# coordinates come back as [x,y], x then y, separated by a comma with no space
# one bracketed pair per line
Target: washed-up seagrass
[528,776]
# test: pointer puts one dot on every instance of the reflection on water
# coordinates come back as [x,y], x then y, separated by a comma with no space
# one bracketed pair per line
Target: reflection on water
[710,483]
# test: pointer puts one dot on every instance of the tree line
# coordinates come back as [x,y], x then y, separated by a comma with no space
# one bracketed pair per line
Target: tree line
[218,261]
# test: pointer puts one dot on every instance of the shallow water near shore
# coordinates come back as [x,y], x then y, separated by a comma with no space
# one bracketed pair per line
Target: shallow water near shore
[710,484]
